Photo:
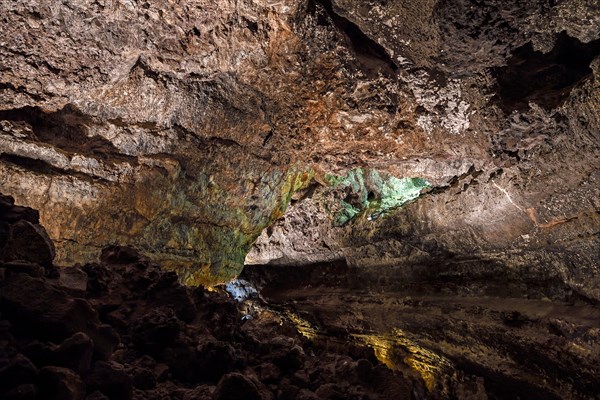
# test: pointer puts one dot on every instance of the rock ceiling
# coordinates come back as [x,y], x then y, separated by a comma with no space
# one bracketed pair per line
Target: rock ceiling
[185,128]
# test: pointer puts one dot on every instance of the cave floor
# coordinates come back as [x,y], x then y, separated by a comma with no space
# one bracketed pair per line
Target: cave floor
[510,346]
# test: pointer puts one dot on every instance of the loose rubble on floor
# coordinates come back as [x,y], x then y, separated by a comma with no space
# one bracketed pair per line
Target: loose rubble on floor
[123,329]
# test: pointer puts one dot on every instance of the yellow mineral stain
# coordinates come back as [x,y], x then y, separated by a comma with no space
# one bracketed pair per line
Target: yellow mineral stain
[303,326]
[391,350]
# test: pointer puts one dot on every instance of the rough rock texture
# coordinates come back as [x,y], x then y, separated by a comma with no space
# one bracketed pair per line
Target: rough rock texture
[173,342]
[184,128]
[515,187]
[465,339]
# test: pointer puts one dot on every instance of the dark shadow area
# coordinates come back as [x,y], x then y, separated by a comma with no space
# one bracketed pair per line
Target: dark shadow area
[371,55]
[31,164]
[42,167]
[545,79]
[65,129]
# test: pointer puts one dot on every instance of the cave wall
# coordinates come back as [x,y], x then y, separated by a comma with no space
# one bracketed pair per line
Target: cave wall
[185,129]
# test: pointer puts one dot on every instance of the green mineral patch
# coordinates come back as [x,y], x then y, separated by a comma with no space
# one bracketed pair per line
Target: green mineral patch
[211,249]
[370,192]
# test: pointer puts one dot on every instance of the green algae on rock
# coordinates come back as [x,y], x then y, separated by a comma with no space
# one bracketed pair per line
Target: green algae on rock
[370,191]
[223,260]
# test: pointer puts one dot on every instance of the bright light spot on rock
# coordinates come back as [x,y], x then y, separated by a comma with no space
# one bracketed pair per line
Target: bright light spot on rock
[240,289]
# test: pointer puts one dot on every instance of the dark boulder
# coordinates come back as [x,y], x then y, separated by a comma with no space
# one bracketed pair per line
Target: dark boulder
[111,380]
[58,383]
[235,386]
[155,330]
[47,313]
[167,291]
[11,213]
[119,255]
[74,353]
[268,372]
[19,371]
[17,213]
[22,392]
[24,267]
[29,242]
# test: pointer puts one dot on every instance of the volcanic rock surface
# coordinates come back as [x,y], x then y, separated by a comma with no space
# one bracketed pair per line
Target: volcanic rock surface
[123,328]
[185,128]
[440,159]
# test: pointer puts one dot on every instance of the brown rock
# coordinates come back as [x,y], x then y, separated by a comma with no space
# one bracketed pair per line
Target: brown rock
[167,291]
[235,386]
[17,213]
[22,392]
[19,371]
[111,380]
[51,314]
[96,396]
[24,267]
[119,255]
[61,384]
[156,330]
[29,242]
[75,353]
[202,392]
[4,236]
[6,202]
[268,372]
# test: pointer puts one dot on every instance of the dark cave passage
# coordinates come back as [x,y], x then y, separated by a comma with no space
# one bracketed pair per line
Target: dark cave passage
[372,57]
[545,79]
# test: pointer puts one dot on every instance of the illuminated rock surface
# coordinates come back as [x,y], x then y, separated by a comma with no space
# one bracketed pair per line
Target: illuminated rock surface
[433,148]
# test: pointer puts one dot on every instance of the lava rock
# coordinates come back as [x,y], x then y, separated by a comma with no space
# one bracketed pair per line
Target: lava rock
[208,361]
[4,236]
[29,242]
[19,371]
[74,353]
[17,213]
[217,358]
[364,370]
[288,391]
[24,267]
[184,363]
[6,202]
[168,292]
[11,213]
[144,379]
[119,255]
[285,354]
[111,380]
[331,391]
[22,392]
[96,396]
[305,394]
[58,383]
[235,386]
[202,392]
[73,279]
[48,313]
[98,278]
[155,330]
[268,372]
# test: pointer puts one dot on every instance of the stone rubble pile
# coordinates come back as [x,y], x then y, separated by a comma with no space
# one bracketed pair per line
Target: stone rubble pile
[124,329]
